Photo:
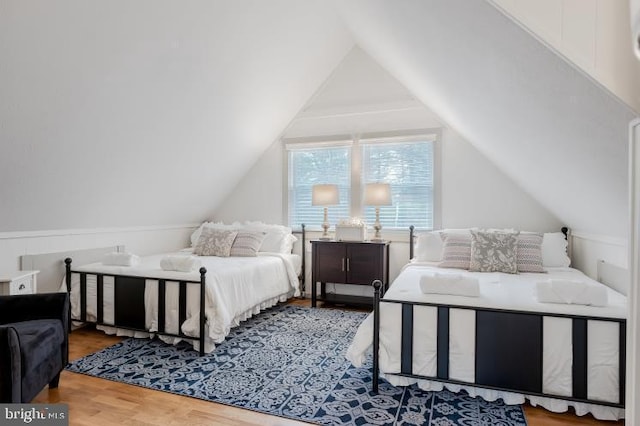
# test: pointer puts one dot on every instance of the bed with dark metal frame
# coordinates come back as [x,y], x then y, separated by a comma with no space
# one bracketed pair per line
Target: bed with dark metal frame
[129,302]
[518,369]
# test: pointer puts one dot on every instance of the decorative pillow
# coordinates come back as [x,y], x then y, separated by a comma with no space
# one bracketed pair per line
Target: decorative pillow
[456,250]
[195,236]
[429,247]
[529,252]
[554,250]
[247,244]
[494,251]
[215,242]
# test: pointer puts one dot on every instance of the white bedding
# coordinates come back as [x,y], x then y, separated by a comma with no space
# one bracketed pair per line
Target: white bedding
[500,291]
[236,289]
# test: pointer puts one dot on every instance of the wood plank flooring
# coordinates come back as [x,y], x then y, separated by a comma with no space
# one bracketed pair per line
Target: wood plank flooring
[94,401]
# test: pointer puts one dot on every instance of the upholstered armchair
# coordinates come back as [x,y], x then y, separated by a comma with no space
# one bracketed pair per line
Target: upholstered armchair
[34,344]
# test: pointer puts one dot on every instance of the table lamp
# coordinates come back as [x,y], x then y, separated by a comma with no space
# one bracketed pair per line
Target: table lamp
[377,194]
[325,195]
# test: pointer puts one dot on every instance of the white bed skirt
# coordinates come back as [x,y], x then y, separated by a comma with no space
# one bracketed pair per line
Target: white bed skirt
[209,343]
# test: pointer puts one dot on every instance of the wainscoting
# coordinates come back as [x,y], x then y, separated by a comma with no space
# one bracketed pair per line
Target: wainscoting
[141,240]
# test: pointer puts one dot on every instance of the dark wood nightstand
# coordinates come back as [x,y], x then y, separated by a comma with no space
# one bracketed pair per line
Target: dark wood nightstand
[347,262]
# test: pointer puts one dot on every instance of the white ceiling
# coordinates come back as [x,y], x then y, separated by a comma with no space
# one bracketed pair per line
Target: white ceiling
[546,125]
[360,97]
[121,113]
[128,113]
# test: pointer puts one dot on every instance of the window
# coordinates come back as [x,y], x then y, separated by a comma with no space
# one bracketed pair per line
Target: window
[309,166]
[406,163]
[408,168]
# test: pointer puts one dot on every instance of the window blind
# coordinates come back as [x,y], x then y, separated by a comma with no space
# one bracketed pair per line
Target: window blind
[311,166]
[408,168]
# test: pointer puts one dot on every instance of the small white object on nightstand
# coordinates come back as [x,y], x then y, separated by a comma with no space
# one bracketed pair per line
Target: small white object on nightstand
[18,282]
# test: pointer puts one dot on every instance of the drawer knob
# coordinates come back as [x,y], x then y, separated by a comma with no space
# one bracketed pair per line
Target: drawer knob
[21,287]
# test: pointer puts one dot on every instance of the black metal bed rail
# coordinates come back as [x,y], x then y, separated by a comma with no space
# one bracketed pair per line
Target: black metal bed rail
[518,369]
[128,303]
[303,275]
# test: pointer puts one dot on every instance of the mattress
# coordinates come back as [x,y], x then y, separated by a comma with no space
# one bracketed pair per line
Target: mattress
[236,289]
[503,292]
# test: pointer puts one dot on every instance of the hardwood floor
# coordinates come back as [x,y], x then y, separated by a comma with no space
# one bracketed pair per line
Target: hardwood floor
[94,401]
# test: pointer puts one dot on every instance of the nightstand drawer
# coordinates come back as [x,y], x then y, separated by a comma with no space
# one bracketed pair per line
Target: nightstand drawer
[18,282]
[22,285]
[353,263]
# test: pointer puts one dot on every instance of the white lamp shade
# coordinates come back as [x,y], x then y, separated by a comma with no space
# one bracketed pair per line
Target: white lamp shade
[377,194]
[324,195]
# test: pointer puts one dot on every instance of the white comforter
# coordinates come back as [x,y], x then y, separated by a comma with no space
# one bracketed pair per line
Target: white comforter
[505,291]
[236,289]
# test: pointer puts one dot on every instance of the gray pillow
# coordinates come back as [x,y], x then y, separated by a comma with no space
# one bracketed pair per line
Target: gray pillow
[456,250]
[214,242]
[494,251]
[529,250]
[247,244]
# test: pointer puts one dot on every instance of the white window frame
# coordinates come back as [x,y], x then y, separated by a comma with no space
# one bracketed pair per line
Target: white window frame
[355,142]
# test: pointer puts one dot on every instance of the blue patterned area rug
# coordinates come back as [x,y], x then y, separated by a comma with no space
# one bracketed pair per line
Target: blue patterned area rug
[289,361]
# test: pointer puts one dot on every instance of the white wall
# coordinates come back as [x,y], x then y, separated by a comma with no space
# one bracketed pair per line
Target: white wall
[140,241]
[473,191]
[593,34]
[633,329]
[476,193]
[587,249]
[361,97]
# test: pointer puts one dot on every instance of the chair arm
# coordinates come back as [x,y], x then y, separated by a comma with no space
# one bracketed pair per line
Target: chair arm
[10,366]
[29,307]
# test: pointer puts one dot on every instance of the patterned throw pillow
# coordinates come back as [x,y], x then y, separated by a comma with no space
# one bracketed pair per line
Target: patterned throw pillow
[456,250]
[494,252]
[529,251]
[215,242]
[247,244]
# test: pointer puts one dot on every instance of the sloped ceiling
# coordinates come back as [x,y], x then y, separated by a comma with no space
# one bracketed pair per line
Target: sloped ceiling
[124,113]
[360,97]
[121,113]
[554,131]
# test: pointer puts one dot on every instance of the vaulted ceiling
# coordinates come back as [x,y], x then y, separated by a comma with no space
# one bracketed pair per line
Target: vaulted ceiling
[127,113]
[548,126]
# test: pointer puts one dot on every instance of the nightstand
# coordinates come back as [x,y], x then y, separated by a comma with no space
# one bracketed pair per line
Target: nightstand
[346,262]
[18,282]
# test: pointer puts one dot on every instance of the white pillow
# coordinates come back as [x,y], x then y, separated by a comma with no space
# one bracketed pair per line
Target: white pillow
[287,244]
[429,247]
[267,227]
[277,238]
[195,236]
[554,250]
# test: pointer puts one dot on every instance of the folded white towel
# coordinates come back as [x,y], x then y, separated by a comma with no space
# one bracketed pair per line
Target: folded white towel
[454,284]
[180,263]
[571,292]
[120,259]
